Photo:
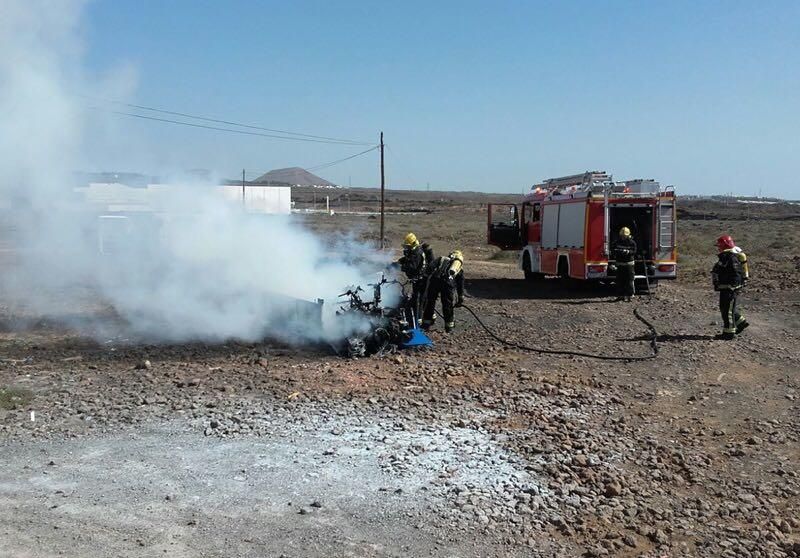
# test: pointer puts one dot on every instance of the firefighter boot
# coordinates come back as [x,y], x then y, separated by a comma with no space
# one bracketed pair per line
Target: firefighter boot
[742,325]
[449,326]
[726,336]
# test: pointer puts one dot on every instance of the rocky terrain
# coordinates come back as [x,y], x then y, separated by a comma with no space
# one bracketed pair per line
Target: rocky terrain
[470,448]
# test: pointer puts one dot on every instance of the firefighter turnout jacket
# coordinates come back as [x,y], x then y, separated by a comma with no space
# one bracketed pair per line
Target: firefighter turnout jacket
[451,270]
[625,250]
[415,261]
[729,271]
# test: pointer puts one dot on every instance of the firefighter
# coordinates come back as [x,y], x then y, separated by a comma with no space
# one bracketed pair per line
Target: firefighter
[729,277]
[624,256]
[445,279]
[414,263]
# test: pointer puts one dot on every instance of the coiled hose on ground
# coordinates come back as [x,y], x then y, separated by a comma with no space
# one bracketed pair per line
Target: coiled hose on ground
[653,342]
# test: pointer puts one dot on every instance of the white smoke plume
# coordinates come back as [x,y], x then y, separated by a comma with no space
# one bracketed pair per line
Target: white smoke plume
[204,270]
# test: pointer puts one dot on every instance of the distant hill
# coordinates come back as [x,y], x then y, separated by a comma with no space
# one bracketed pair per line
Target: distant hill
[293,176]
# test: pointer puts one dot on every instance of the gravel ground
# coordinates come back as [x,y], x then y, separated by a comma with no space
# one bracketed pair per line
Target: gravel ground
[168,491]
[470,449]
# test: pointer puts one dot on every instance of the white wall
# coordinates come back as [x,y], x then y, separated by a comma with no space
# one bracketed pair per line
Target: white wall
[112,197]
[107,194]
[261,199]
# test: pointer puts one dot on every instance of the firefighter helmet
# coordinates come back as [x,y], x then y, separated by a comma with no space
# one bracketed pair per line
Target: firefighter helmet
[411,240]
[725,242]
[625,231]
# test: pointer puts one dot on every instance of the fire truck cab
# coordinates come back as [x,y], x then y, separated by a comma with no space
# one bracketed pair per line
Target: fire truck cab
[567,227]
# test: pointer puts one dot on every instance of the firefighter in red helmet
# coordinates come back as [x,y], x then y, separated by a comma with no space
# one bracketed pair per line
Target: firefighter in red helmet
[729,276]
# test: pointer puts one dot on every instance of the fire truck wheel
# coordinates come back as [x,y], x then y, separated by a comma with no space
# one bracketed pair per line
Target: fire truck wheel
[529,275]
[563,268]
[533,277]
[526,269]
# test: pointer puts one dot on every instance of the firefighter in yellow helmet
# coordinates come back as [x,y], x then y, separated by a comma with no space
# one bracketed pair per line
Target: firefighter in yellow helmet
[414,263]
[445,280]
[624,259]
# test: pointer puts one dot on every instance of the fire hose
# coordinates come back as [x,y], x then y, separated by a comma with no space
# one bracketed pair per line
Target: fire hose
[653,342]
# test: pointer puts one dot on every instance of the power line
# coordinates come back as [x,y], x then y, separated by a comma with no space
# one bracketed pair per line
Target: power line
[231,123]
[220,129]
[332,163]
[288,171]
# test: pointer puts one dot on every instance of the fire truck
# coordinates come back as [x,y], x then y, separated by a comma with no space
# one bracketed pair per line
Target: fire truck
[567,227]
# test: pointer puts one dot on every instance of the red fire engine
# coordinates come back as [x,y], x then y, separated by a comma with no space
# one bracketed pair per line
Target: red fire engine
[567,227]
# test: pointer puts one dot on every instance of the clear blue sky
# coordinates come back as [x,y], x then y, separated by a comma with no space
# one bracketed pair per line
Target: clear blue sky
[471,95]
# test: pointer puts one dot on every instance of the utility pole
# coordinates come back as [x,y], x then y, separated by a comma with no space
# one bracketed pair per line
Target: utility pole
[244,203]
[383,187]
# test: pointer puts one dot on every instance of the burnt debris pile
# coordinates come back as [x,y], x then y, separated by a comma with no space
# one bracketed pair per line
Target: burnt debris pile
[387,320]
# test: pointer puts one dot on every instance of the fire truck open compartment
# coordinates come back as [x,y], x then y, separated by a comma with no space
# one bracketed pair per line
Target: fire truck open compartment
[639,219]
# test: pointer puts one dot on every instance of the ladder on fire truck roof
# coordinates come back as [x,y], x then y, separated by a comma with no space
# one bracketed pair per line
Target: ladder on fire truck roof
[589,180]
[600,182]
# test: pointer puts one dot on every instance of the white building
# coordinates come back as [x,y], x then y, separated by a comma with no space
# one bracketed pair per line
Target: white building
[260,199]
[109,197]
